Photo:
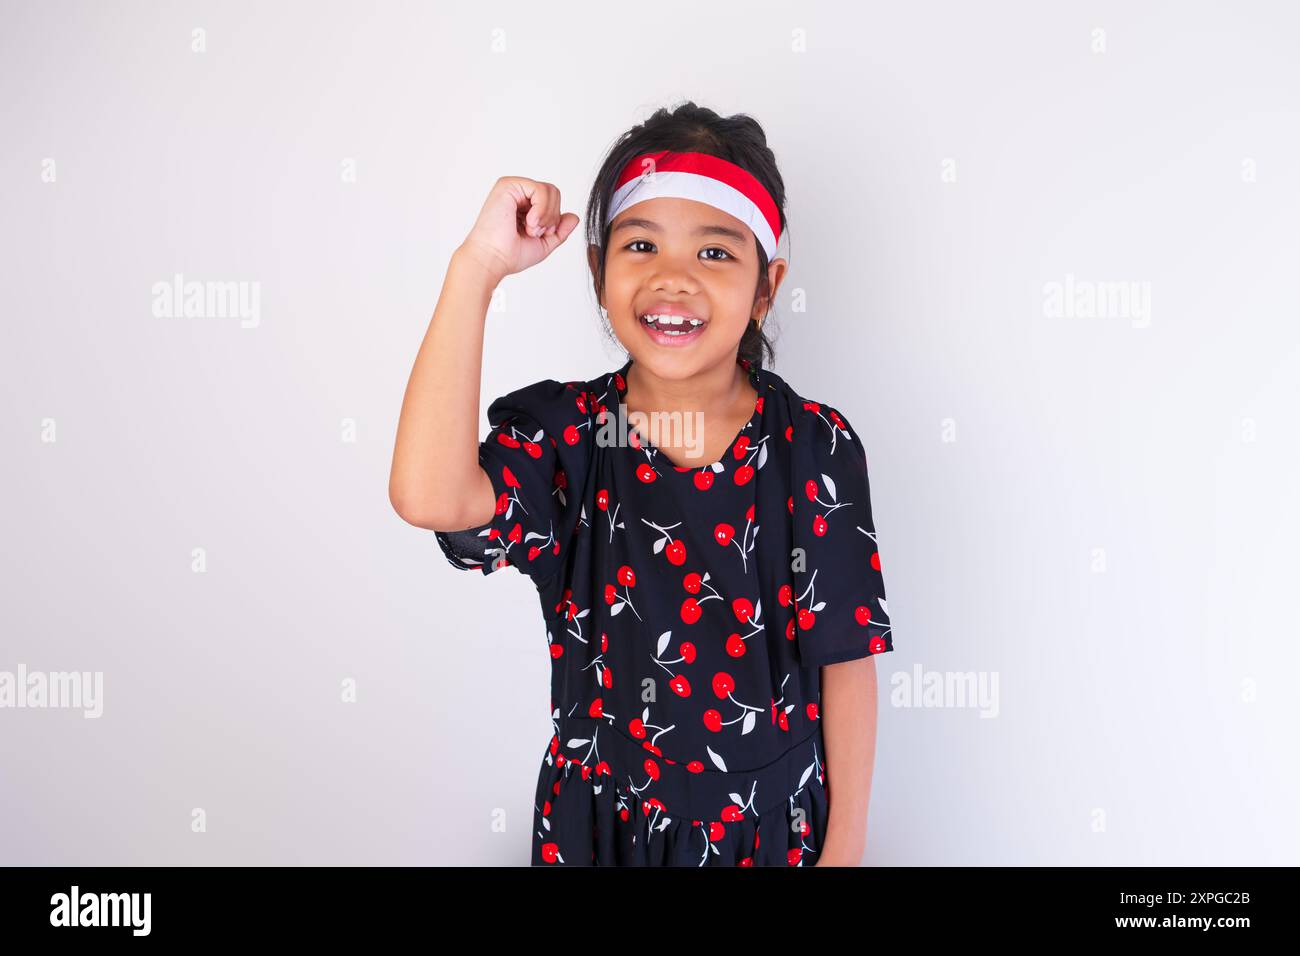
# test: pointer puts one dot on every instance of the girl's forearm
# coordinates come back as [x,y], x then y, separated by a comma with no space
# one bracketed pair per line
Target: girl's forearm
[849,700]
[436,449]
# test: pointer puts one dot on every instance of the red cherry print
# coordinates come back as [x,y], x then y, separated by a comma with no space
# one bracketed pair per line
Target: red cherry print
[550,852]
[636,728]
[743,474]
[561,479]
[602,769]
[634,439]
[742,445]
[604,642]
[789,504]
[835,417]
[713,720]
[602,499]
[806,619]
[611,594]
[723,684]
[695,767]
[749,513]
[812,407]
[723,533]
[789,630]
[735,646]
[676,552]
[556,549]
[819,525]
[509,478]
[652,769]
[691,610]
[618,381]
[862,614]
[557,650]
[876,645]
[743,609]
[534,450]
[626,577]
[692,583]
[789,433]
[508,440]
[688,652]
[680,686]
[503,502]
[812,711]
[784,595]
[607,678]
[570,435]
[875,560]
[516,534]
[759,404]
[581,402]
[645,473]
[533,552]
[716,831]
[810,488]
[546,808]
[783,720]
[704,479]
[794,856]
[597,708]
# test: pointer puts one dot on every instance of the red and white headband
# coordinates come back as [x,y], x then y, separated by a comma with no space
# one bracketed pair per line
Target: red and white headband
[703,178]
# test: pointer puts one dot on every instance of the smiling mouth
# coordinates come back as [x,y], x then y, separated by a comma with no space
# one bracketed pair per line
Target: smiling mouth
[672,326]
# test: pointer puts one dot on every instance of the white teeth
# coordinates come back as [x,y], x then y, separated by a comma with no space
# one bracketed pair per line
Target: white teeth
[662,320]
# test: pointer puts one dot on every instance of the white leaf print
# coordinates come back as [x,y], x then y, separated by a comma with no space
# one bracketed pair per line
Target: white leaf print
[593,790]
[830,486]
[577,742]
[534,534]
[583,613]
[617,607]
[667,820]
[748,724]
[789,707]
[758,610]
[883,607]
[620,525]
[819,605]
[563,501]
[717,761]
[663,642]
[737,799]
[485,532]
[538,436]
[716,466]
[583,512]
[706,576]
[645,716]
[546,822]
[659,545]
[762,455]
[510,510]
[802,780]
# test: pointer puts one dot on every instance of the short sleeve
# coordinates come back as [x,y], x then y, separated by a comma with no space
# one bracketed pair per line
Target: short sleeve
[839,591]
[536,454]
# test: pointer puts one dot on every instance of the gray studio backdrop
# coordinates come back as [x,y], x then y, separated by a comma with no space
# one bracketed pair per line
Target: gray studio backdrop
[1045,259]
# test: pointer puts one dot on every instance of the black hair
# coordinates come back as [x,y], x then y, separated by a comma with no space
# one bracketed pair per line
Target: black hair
[690,128]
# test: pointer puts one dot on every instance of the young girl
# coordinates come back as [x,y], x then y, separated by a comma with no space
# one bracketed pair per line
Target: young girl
[712,599]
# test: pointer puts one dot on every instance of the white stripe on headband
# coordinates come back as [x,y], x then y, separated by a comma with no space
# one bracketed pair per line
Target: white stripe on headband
[681,184]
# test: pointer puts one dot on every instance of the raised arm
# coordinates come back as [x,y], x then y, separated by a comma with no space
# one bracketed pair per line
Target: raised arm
[436,481]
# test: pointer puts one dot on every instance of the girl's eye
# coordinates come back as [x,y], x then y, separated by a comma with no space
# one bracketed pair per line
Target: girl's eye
[718,249]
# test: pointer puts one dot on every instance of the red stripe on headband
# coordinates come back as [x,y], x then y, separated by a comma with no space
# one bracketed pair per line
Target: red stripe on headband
[715,167]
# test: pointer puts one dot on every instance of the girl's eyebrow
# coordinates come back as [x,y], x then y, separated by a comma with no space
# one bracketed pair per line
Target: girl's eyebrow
[710,230]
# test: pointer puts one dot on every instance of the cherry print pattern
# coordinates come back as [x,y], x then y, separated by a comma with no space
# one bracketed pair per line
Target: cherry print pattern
[685,647]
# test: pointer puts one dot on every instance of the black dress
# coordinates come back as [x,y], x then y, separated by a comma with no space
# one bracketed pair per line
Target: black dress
[687,613]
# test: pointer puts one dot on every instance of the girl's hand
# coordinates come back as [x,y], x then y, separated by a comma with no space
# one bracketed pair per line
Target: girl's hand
[519,225]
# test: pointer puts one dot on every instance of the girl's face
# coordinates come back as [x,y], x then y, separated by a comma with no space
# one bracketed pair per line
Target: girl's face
[670,255]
